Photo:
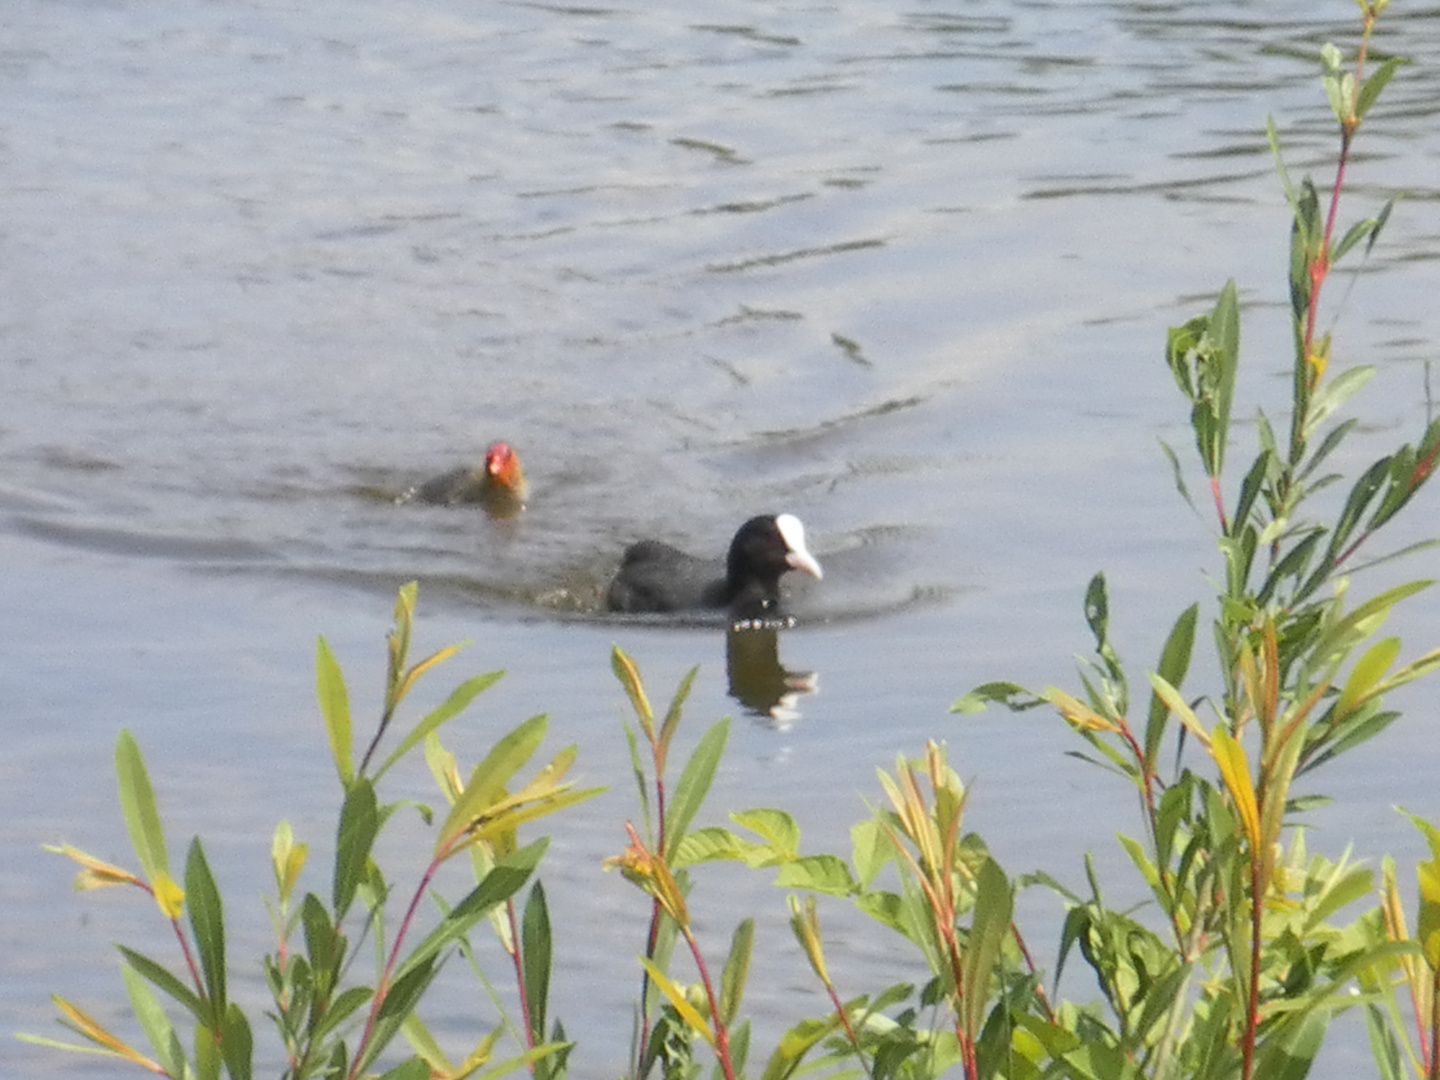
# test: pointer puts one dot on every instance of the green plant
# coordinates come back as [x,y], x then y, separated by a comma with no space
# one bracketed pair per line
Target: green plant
[1248,967]
[335,1013]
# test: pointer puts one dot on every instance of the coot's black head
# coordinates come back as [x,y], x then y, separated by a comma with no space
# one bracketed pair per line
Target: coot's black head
[764,548]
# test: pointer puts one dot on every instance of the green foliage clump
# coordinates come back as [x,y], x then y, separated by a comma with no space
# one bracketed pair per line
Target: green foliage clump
[1234,969]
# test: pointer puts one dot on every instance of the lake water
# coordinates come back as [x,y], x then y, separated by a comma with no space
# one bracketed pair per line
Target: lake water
[902,270]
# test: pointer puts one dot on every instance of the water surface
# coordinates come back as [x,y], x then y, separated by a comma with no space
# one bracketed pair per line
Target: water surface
[904,271]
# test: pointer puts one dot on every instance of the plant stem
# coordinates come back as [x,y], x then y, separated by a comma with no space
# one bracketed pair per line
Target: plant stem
[1433,1057]
[1252,1005]
[382,988]
[717,1022]
[849,1029]
[189,959]
[520,978]
[653,937]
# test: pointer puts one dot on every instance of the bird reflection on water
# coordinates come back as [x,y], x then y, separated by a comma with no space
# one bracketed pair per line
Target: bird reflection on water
[759,681]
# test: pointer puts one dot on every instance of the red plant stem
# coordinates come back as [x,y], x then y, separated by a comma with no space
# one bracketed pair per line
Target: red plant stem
[1029,963]
[722,1033]
[190,961]
[968,1060]
[1321,268]
[654,935]
[845,1023]
[1432,1061]
[383,988]
[520,978]
[1252,1006]
[1219,504]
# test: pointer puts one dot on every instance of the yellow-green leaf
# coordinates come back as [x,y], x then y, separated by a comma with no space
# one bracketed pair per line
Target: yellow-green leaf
[407,682]
[1235,770]
[94,873]
[1177,705]
[487,783]
[673,994]
[287,859]
[1368,671]
[334,710]
[629,676]
[1427,926]
[84,1024]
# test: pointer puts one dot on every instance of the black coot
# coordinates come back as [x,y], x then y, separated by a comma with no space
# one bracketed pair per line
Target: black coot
[655,577]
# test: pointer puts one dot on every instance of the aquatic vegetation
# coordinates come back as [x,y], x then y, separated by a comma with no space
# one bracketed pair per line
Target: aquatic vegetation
[1248,947]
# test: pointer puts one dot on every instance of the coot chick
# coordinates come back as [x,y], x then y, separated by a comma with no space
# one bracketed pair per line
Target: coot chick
[497,484]
[655,577]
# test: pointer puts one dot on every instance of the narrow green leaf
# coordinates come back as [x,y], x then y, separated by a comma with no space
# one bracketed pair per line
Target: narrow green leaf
[161,978]
[1375,84]
[629,676]
[237,1045]
[694,783]
[1174,665]
[499,823]
[739,1049]
[1176,704]
[1336,391]
[137,801]
[359,824]
[207,922]
[323,945]
[1333,438]
[208,1060]
[452,707]
[335,710]
[736,971]
[1356,885]
[671,722]
[795,1044]
[678,1002]
[153,1021]
[990,926]
[1384,1049]
[1362,493]
[1224,335]
[405,993]
[1177,473]
[1366,673]
[1359,624]
[424,1043]
[340,1010]
[1260,469]
[1336,85]
[535,948]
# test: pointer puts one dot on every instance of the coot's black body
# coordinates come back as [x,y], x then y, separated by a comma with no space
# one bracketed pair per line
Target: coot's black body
[655,577]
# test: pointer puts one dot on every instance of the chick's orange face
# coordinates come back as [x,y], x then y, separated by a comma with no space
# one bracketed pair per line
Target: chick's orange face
[504,465]
[498,458]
